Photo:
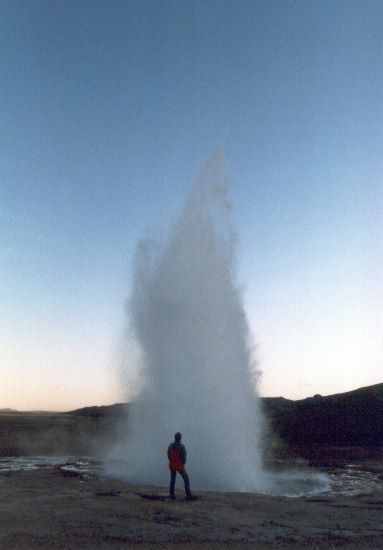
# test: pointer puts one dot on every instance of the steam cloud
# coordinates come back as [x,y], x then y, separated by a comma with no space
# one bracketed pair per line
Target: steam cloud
[195,367]
[195,362]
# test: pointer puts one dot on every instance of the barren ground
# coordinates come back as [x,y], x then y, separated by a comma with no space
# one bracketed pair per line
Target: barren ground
[48,508]
[52,508]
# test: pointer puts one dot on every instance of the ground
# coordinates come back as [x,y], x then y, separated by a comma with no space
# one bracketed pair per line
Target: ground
[52,508]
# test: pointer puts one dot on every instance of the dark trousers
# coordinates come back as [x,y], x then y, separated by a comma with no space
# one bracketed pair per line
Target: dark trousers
[185,477]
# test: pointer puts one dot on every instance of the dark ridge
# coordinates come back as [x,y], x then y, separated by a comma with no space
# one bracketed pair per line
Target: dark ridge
[118,409]
[351,422]
[353,418]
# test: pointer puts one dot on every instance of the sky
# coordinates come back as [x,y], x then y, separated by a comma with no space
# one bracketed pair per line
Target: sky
[108,111]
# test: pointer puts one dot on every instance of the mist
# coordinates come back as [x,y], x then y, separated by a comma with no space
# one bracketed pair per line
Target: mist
[195,369]
[190,361]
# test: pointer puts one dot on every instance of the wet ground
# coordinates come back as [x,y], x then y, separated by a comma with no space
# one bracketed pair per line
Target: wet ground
[343,479]
[69,502]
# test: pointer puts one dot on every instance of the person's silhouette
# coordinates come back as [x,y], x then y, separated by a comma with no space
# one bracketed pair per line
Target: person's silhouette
[177,461]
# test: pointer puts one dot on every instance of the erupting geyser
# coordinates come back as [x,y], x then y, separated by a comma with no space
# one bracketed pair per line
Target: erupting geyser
[186,314]
[195,366]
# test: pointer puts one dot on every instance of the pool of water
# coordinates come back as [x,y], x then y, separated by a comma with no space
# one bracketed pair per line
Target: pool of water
[82,465]
[349,479]
[354,479]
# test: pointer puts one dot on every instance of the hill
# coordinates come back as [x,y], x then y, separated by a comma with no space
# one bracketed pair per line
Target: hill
[316,425]
[350,419]
[353,418]
[118,409]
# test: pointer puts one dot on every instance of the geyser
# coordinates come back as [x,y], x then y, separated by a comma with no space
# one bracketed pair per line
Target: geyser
[195,370]
[186,315]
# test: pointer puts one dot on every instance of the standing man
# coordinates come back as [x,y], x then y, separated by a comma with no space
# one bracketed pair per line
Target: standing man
[177,461]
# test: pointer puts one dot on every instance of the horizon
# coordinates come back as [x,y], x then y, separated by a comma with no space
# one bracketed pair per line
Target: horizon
[109,112]
[4,410]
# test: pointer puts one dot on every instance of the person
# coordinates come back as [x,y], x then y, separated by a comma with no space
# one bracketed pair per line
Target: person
[177,461]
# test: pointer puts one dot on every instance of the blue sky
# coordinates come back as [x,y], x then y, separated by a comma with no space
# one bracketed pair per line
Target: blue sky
[108,110]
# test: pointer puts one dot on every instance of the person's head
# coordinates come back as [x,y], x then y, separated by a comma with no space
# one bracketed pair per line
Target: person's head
[178,436]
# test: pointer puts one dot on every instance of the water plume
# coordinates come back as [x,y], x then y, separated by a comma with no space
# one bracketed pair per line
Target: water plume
[196,372]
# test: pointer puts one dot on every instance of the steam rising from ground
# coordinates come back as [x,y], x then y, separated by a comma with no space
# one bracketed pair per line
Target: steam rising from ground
[195,365]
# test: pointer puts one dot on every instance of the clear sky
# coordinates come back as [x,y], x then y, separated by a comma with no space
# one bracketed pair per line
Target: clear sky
[109,108]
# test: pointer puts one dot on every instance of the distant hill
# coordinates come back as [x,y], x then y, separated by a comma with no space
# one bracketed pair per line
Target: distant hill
[354,418]
[118,409]
[8,410]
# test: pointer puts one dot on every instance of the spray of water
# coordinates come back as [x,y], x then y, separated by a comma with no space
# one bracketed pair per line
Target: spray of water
[195,363]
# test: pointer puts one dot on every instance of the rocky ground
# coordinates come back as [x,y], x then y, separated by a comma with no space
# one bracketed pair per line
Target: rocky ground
[55,508]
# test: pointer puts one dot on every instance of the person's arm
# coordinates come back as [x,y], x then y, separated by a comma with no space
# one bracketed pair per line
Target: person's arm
[183,456]
[169,451]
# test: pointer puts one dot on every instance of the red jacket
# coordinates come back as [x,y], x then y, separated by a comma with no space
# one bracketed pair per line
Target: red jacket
[176,456]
